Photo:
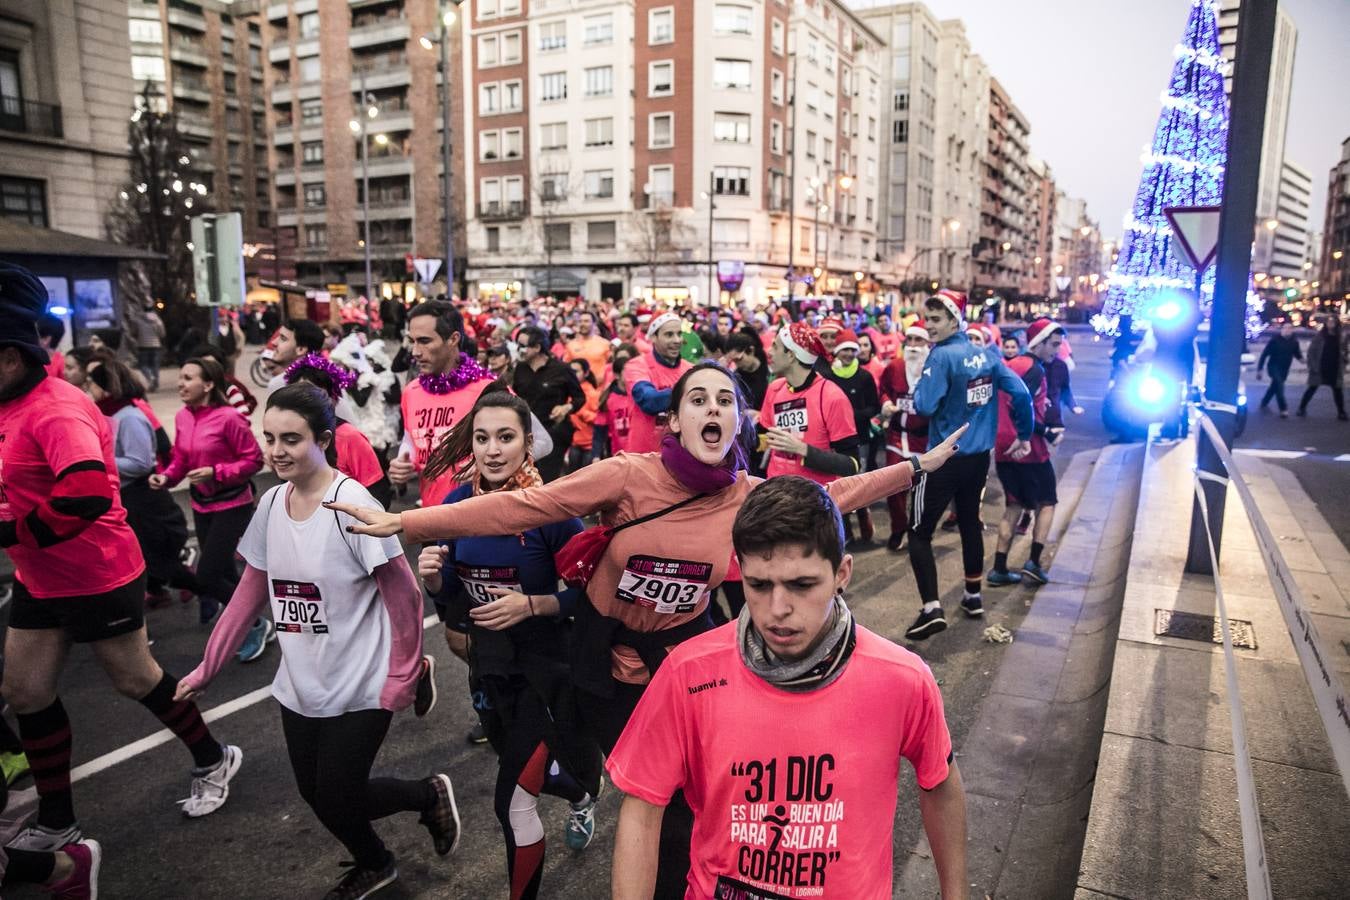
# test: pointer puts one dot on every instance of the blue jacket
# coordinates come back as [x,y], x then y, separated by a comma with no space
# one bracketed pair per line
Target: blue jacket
[958,385]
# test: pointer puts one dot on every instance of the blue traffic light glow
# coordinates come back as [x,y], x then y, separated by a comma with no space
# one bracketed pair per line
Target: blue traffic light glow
[1150,390]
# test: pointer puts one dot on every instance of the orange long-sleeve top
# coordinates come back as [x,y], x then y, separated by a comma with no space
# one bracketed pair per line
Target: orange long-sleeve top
[684,554]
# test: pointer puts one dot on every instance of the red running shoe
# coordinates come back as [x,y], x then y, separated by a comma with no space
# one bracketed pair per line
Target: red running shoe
[81,884]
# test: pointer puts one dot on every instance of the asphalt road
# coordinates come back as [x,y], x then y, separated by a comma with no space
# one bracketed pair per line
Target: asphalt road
[265,843]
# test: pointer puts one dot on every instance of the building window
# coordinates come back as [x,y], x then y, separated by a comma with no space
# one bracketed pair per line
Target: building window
[599,184]
[487,9]
[812,97]
[871,208]
[732,74]
[315,195]
[512,143]
[490,194]
[553,136]
[900,131]
[731,128]
[775,136]
[146,31]
[558,236]
[661,25]
[310,70]
[311,112]
[553,188]
[600,132]
[489,99]
[827,151]
[660,130]
[487,51]
[731,232]
[871,128]
[733,181]
[600,81]
[316,235]
[599,29]
[600,235]
[777,35]
[810,145]
[489,145]
[511,48]
[776,87]
[661,185]
[553,35]
[23,199]
[804,238]
[494,238]
[553,86]
[512,96]
[312,153]
[661,79]
[147,68]
[309,25]
[729,18]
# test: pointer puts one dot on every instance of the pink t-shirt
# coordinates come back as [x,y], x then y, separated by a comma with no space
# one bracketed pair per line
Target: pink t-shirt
[42,434]
[355,457]
[619,417]
[793,794]
[643,435]
[427,418]
[819,415]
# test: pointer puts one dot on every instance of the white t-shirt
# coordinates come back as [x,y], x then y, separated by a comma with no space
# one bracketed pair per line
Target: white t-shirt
[332,626]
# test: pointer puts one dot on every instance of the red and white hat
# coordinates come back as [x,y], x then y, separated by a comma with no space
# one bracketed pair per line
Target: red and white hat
[831,324]
[803,342]
[847,340]
[917,331]
[953,301]
[1041,330]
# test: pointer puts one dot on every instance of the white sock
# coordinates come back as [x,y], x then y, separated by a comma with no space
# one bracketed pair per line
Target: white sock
[931,605]
[583,802]
[970,596]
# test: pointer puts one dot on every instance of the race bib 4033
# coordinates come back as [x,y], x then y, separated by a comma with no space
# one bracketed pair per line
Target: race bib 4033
[297,607]
[790,415]
[667,586]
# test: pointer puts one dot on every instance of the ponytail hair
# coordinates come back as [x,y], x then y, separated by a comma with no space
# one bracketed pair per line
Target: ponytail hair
[311,403]
[214,373]
[456,448]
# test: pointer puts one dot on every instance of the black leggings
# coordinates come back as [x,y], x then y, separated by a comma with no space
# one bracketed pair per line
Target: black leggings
[520,727]
[962,479]
[1337,394]
[218,535]
[606,718]
[331,758]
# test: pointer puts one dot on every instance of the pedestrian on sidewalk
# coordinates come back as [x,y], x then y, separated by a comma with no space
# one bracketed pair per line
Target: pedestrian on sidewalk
[214,449]
[349,612]
[958,388]
[78,575]
[1327,354]
[1028,481]
[1276,359]
[148,331]
[796,693]
[907,431]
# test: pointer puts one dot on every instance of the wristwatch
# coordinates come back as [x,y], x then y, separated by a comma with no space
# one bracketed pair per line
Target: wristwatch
[916,463]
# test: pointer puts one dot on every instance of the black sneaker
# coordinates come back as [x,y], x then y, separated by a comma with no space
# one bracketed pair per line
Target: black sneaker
[973,607]
[360,883]
[896,541]
[476,734]
[425,700]
[442,820]
[927,624]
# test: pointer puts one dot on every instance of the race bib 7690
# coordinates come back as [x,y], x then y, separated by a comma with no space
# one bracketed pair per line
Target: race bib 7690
[979,391]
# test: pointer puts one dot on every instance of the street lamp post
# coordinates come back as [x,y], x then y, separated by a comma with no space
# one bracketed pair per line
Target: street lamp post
[358,125]
[712,273]
[442,38]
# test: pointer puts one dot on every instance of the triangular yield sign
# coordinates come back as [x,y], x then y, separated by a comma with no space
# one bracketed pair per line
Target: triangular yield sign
[426,268]
[1197,232]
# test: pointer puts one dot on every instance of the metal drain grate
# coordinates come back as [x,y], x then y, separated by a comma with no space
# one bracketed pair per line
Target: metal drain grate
[1191,627]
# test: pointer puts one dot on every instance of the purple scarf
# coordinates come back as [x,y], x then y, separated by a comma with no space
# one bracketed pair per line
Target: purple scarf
[697,476]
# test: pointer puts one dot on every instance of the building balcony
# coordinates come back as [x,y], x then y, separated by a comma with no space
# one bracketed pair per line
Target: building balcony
[195,126]
[655,200]
[188,54]
[386,210]
[184,19]
[381,166]
[390,122]
[29,117]
[184,89]
[285,177]
[385,31]
[379,75]
[499,211]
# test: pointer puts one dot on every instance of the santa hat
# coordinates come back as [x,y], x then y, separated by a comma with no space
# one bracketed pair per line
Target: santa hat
[847,340]
[953,301]
[917,331]
[1041,330]
[831,324]
[658,321]
[23,300]
[803,342]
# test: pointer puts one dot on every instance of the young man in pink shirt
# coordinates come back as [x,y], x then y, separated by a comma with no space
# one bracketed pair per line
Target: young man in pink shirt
[785,732]
[806,418]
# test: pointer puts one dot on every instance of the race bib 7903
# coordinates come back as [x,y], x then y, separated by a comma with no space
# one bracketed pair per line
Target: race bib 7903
[667,586]
[297,607]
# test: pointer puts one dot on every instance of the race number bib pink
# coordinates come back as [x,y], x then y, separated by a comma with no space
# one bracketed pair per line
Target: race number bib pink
[478,579]
[905,404]
[297,607]
[667,586]
[979,391]
[790,415]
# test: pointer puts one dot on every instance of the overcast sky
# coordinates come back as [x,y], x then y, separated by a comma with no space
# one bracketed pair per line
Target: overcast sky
[1088,73]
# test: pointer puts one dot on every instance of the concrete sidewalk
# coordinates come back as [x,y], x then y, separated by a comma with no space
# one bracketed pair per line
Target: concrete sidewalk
[1164,819]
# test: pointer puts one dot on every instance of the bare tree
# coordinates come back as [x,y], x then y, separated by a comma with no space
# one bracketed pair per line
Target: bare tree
[552,192]
[656,237]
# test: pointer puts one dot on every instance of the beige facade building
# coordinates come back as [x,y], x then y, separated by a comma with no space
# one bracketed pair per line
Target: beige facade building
[65,98]
[1004,241]
[1038,265]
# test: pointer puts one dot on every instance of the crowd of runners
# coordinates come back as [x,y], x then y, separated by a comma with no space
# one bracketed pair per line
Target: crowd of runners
[583,486]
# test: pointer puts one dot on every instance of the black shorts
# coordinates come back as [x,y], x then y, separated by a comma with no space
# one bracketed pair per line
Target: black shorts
[1028,485]
[84,619]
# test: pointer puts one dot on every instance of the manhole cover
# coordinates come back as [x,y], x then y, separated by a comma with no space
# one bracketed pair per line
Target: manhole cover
[1190,627]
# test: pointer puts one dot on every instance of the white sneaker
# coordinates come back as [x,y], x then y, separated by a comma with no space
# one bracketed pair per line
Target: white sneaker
[211,790]
[44,840]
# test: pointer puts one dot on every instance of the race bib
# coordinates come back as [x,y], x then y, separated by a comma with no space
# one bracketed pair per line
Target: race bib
[731,889]
[790,415]
[297,607]
[905,404]
[979,391]
[667,586]
[477,580]
[620,420]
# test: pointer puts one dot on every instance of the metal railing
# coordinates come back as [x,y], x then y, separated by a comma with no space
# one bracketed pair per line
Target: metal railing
[498,211]
[31,117]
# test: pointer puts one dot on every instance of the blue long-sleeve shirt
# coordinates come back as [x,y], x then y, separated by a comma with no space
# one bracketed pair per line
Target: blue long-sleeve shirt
[958,385]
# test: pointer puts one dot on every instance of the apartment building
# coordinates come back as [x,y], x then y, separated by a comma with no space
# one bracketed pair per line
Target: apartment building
[1001,254]
[65,96]
[332,63]
[963,136]
[1334,271]
[1289,248]
[202,60]
[633,148]
[1038,268]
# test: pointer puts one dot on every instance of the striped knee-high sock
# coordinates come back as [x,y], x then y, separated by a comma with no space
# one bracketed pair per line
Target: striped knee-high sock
[46,741]
[185,720]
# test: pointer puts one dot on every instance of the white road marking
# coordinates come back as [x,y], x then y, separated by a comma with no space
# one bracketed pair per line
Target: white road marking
[1272,454]
[1344,457]
[19,799]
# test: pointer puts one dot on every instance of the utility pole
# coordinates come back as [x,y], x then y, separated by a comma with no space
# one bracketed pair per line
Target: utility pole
[712,267]
[448,182]
[792,177]
[1255,40]
[365,185]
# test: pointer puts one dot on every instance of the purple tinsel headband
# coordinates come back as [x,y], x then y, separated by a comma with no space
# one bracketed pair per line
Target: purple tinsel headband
[342,378]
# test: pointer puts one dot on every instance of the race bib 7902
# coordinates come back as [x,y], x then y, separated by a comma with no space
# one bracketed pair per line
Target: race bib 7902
[667,586]
[297,607]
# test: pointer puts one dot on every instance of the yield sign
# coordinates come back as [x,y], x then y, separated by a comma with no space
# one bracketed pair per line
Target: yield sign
[426,268]
[1197,231]
[1062,282]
